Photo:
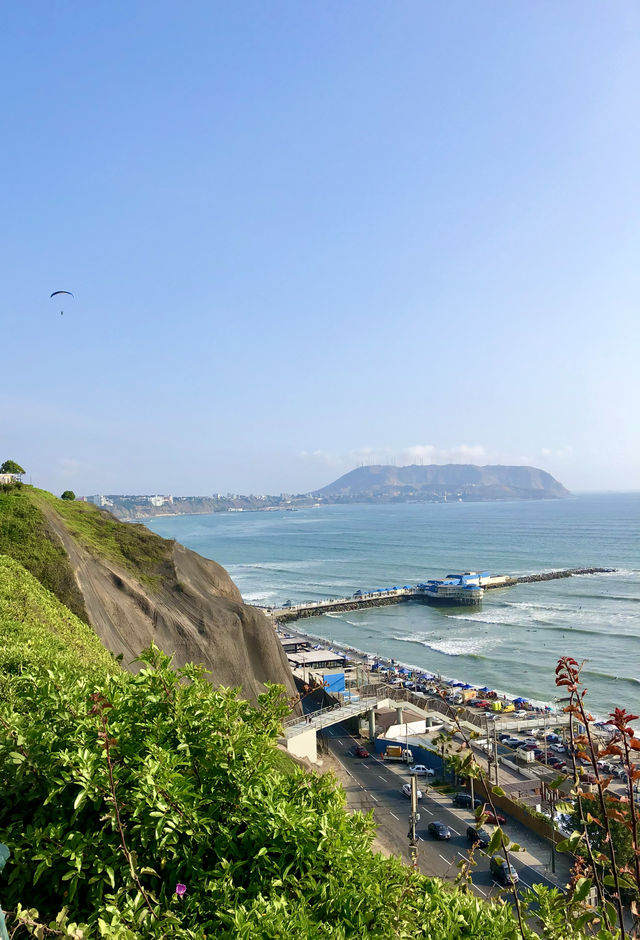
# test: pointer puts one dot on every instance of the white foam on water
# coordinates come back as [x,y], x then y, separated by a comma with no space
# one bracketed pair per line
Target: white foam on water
[258,596]
[352,623]
[452,646]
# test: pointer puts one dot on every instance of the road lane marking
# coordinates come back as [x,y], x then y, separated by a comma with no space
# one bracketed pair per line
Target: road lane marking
[454,830]
[373,797]
[448,861]
[394,816]
[465,857]
[478,888]
[381,777]
[420,838]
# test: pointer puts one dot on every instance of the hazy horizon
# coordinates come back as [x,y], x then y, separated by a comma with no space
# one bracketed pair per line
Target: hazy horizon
[303,236]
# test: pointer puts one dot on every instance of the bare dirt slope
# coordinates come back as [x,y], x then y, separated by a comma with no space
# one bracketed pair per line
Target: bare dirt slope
[195,613]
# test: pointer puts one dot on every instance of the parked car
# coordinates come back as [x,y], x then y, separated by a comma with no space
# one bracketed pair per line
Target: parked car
[559,748]
[520,713]
[438,830]
[422,771]
[406,789]
[531,740]
[360,751]
[495,818]
[504,736]
[529,747]
[478,836]
[538,754]
[558,765]
[504,873]
[464,799]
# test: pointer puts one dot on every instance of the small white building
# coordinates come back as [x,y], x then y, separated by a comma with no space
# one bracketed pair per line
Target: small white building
[9,478]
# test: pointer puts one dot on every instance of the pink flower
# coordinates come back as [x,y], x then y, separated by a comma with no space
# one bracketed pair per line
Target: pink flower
[181,890]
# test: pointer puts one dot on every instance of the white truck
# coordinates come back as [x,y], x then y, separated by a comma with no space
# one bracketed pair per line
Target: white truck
[395,752]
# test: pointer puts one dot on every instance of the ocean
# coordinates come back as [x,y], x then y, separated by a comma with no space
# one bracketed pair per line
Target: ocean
[512,642]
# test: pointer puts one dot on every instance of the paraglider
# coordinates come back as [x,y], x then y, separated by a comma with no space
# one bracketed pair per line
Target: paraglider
[57,293]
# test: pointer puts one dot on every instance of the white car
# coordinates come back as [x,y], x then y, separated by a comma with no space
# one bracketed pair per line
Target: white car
[406,789]
[558,748]
[422,771]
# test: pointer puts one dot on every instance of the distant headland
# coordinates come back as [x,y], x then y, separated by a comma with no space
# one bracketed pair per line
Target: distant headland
[369,484]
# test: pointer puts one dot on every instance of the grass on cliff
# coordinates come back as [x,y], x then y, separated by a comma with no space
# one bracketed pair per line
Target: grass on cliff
[38,632]
[25,535]
[140,551]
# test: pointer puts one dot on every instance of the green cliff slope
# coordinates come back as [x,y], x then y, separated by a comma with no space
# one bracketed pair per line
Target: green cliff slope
[135,588]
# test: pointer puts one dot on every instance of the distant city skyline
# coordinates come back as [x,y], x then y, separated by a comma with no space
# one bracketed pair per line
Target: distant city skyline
[304,236]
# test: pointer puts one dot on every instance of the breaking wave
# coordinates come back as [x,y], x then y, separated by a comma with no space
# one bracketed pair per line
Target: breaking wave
[453,646]
[352,623]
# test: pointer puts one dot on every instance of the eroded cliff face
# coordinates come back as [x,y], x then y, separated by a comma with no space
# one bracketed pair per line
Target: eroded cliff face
[193,611]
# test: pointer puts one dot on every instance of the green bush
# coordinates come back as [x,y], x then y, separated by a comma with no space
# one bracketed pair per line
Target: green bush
[115,788]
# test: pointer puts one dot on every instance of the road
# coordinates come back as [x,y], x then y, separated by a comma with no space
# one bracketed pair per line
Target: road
[377,786]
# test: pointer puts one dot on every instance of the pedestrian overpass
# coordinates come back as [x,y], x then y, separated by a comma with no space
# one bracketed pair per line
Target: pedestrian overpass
[300,733]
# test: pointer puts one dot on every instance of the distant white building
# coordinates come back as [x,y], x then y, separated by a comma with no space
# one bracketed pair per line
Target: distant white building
[9,478]
[160,500]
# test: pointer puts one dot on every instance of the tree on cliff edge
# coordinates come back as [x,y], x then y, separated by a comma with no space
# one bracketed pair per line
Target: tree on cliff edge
[10,466]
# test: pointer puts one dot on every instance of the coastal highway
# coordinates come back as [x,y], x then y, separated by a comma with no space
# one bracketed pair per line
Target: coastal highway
[374,785]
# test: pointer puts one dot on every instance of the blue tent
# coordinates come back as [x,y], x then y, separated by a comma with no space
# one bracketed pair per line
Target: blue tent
[519,700]
[485,689]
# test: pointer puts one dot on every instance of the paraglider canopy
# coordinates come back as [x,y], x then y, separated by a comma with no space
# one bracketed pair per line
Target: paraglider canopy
[57,293]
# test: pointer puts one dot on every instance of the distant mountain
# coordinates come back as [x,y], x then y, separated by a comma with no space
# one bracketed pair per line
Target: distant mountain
[450,481]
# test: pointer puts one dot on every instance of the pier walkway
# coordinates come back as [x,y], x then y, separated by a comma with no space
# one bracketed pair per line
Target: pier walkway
[382,598]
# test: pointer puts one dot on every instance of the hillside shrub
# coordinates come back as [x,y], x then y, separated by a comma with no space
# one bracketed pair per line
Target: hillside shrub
[115,789]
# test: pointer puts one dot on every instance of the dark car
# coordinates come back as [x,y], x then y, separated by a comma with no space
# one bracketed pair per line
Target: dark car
[438,830]
[360,751]
[478,837]
[505,874]
[464,799]
[556,763]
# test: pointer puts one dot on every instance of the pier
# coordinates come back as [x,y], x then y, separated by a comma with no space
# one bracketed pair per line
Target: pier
[406,594]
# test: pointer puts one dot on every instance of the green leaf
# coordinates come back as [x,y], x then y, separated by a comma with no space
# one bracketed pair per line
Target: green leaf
[494,842]
[498,791]
[583,886]
[111,875]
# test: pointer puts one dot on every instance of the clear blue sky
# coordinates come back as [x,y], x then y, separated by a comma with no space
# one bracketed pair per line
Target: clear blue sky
[303,234]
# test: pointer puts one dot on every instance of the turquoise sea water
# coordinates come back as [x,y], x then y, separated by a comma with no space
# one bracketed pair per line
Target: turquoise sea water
[512,643]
